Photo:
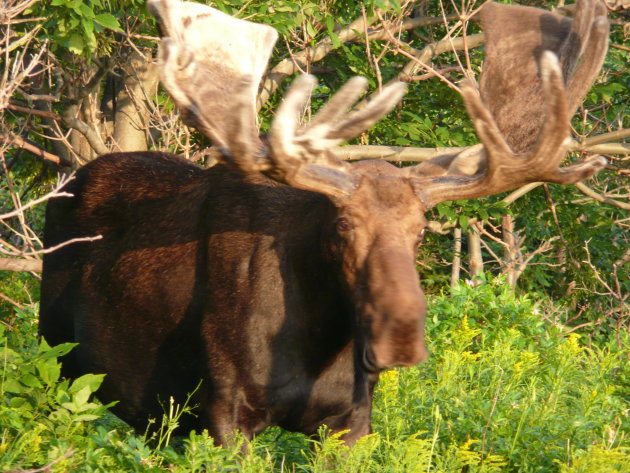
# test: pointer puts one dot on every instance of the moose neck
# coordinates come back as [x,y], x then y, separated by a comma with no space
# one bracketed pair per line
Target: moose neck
[315,289]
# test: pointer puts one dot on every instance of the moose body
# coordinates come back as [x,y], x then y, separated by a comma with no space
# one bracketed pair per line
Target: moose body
[283,278]
[205,274]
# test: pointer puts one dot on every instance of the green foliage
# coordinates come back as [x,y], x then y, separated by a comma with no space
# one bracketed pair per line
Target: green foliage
[40,412]
[509,382]
[81,26]
[503,391]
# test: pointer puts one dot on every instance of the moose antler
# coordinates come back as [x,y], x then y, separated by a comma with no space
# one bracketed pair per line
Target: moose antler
[523,111]
[212,64]
[301,157]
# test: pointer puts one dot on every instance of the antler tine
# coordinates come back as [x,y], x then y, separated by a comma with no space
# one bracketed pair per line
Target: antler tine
[592,58]
[577,39]
[382,104]
[483,121]
[301,157]
[284,126]
[555,130]
[505,170]
[340,102]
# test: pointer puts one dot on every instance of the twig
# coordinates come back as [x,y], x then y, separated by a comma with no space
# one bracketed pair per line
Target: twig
[47,468]
[619,46]
[12,302]
[18,141]
[45,251]
[587,191]
[33,111]
[431,74]
[53,194]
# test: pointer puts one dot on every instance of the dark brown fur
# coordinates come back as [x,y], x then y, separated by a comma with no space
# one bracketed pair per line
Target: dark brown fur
[237,281]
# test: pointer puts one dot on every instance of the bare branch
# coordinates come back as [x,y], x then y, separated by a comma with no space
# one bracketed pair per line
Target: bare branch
[16,264]
[50,195]
[15,140]
[91,134]
[605,137]
[587,191]
[391,153]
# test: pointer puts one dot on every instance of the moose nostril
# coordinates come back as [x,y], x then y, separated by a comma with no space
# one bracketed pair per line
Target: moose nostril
[369,361]
[399,346]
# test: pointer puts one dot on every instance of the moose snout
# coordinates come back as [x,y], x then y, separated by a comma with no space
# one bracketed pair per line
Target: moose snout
[395,326]
[401,344]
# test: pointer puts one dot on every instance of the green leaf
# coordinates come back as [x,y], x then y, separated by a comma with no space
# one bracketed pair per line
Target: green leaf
[81,397]
[31,381]
[75,43]
[336,42]
[49,370]
[463,222]
[17,402]
[12,386]
[311,30]
[86,11]
[93,381]
[108,21]
[85,418]
[54,352]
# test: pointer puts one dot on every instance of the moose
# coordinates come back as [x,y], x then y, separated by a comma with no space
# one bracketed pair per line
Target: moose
[282,280]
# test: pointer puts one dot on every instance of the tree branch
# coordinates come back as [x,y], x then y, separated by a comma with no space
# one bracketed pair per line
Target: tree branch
[587,191]
[391,153]
[604,137]
[18,141]
[17,264]
[352,32]
[92,135]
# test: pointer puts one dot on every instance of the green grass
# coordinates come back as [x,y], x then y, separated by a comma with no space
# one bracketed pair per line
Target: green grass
[502,391]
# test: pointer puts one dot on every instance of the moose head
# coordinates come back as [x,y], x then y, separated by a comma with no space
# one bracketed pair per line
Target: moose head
[212,65]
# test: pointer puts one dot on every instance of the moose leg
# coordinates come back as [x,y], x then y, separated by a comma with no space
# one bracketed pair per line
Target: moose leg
[355,422]
[225,415]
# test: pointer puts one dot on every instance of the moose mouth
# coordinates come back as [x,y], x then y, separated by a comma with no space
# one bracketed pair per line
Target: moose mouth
[369,361]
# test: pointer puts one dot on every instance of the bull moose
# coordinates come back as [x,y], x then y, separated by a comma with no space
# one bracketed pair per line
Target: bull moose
[283,277]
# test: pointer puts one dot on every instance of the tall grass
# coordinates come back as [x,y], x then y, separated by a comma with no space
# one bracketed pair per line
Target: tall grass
[502,391]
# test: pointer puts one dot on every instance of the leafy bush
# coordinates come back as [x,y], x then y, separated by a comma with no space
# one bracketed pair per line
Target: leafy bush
[503,391]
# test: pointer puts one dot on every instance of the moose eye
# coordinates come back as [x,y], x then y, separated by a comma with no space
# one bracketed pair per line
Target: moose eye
[343,225]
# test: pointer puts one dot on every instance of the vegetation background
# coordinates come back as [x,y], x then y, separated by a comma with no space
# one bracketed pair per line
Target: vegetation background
[529,319]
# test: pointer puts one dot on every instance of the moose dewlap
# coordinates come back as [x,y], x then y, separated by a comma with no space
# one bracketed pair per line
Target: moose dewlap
[284,279]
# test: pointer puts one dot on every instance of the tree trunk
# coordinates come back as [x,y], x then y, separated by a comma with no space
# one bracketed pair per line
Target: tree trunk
[512,255]
[131,115]
[457,257]
[474,251]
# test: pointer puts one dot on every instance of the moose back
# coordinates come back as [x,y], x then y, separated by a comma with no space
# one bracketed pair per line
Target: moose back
[282,281]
